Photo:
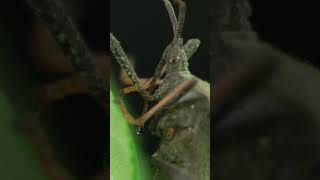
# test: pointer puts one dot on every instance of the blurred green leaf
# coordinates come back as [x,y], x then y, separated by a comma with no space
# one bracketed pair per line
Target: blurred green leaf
[17,159]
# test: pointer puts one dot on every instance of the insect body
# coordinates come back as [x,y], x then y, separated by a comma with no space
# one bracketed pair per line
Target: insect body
[182,113]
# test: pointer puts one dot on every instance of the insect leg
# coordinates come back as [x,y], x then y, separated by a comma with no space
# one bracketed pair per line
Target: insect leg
[124,79]
[183,87]
[51,168]
[123,61]
[191,46]
[131,89]
[130,119]
[160,70]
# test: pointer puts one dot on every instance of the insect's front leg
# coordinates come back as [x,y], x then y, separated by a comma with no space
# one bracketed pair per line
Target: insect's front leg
[148,83]
[160,70]
[125,64]
[191,46]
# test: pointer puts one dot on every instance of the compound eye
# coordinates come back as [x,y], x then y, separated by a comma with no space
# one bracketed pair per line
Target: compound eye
[173,60]
[169,133]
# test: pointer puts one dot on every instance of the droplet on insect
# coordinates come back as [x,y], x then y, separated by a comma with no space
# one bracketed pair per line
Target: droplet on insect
[138,130]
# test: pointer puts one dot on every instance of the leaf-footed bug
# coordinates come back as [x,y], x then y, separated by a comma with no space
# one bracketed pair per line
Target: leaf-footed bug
[182,109]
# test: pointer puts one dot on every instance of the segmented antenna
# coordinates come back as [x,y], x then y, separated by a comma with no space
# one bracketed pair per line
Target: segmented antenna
[172,16]
[182,16]
[177,24]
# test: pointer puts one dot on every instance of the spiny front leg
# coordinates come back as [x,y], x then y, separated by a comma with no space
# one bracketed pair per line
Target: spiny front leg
[160,71]
[131,89]
[130,119]
[148,83]
[124,62]
[191,46]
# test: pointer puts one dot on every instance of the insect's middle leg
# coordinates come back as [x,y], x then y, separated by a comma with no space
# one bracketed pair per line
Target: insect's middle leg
[182,88]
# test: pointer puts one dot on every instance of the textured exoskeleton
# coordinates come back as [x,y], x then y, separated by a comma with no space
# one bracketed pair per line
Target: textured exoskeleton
[183,124]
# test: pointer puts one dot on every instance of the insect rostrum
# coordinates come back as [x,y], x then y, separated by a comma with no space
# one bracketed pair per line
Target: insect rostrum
[182,122]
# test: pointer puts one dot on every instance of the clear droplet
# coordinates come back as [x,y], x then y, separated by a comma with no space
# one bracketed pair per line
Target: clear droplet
[138,130]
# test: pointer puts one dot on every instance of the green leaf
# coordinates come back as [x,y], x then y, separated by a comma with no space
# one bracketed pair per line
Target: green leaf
[17,159]
[127,160]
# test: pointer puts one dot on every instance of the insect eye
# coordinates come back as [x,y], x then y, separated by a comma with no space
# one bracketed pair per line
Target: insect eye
[172,60]
[175,59]
[169,133]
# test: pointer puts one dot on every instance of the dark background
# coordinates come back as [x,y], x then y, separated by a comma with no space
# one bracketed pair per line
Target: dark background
[292,28]
[144,29]
[289,25]
[77,127]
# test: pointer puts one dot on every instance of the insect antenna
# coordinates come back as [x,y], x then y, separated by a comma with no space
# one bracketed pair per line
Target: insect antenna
[181,18]
[161,65]
[172,16]
[177,26]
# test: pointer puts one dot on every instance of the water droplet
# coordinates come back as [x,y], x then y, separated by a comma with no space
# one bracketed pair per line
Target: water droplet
[138,130]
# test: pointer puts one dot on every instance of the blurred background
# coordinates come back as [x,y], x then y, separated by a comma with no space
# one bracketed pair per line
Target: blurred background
[50,127]
[268,128]
[288,25]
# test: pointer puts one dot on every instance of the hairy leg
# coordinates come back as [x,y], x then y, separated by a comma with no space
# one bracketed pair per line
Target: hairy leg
[125,64]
